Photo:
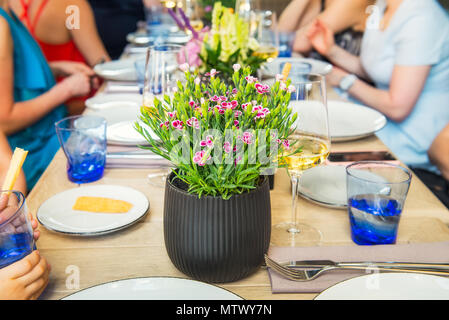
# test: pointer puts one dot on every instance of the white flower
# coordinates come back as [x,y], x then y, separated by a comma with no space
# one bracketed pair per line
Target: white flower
[213,73]
[184,67]
[197,81]
[236,67]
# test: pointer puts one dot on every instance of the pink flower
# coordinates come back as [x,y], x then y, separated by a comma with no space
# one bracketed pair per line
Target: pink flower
[172,114]
[208,142]
[223,98]
[235,91]
[215,99]
[236,123]
[257,108]
[286,144]
[234,104]
[237,161]
[193,122]
[262,89]
[238,113]
[247,137]
[212,73]
[236,67]
[227,147]
[279,77]
[162,125]
[177,124]
[291,88]
[245,105]
[199,158]
[250,79]
[192,103]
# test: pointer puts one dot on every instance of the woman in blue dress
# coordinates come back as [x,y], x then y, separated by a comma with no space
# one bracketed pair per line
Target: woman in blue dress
[30,100]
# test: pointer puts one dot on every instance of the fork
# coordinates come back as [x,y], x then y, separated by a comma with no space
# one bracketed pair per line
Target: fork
[315,272]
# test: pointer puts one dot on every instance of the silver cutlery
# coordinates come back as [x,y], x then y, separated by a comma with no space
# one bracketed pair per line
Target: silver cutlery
[311,272]
[325,263]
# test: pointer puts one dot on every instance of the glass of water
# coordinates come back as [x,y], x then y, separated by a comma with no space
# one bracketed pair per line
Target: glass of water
[16,233]
[376,195]
[83,139]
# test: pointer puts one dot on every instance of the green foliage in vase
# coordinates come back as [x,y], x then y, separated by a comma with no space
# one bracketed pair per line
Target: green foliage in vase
[220,137]
[209,4]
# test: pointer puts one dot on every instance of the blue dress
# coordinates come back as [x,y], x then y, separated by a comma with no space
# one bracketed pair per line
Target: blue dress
[32,78]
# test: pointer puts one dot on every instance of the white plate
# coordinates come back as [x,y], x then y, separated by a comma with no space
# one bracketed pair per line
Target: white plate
[154,288]
[389,286]
[118,70]
[271,69]
[350,121]
[57,214]
[114,100]
[326,185]
[124,133]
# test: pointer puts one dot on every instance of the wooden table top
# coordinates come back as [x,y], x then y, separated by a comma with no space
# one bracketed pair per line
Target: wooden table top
[139,250]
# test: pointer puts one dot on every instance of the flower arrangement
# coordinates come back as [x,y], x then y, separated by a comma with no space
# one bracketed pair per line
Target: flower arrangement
[228,43]
[220,137]
[209,4]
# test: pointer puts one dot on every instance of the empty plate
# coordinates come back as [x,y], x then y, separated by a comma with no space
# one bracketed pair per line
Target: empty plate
[114,100]
[57,213]
[154,288]
[271,69]
[124,133]
[326,185]
[118,70]
[389,286]
[350,121]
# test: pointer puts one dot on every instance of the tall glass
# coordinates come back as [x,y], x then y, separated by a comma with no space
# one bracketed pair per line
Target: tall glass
[83,139]
[266,33]
[161,77]
[311,134]
[16,233]
[246,8]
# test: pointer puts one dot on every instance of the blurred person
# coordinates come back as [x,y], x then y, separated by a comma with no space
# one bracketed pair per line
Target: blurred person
[438,155]
[48,22]
[405,53]
[115,20]
[345,18]
[30,100]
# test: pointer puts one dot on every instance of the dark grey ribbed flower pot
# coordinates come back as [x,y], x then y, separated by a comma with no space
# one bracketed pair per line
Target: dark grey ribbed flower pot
[216,240]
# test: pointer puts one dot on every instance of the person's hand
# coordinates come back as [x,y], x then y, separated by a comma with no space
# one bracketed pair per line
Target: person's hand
[76,85]
[335,76]
[25,279]
[67,68]
[321,37]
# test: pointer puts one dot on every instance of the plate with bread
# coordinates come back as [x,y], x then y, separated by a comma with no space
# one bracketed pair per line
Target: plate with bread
[93,210]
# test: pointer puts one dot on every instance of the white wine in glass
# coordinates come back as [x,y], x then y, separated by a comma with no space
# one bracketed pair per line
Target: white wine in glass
[309,147]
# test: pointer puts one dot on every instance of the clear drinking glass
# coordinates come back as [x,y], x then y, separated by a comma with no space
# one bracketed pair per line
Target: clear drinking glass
[83,139]
[266,33]
[161,77]
[376,196]
[286,40]
[299,71]
[311,133]
[16,233]
[246,8]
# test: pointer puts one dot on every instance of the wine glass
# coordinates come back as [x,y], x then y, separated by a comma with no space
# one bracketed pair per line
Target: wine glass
[266,33]
[161,76]
[311,133]
[246,8]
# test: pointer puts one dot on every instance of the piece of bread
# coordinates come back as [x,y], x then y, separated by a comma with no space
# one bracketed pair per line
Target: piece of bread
[101,205]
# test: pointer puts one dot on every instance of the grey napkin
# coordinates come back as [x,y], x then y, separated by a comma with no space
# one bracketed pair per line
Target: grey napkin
[437,252]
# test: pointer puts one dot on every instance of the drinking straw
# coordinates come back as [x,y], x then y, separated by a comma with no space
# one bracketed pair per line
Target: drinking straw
[17,160]
[286,70]
[178,22]
[187,22]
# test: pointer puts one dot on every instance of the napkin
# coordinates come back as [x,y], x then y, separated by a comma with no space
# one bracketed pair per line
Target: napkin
[437,252]
[133,157]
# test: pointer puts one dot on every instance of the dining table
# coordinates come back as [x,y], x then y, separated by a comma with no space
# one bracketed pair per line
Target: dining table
[139,251]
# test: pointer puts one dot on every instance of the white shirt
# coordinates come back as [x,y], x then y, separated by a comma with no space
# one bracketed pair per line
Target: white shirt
[418,34]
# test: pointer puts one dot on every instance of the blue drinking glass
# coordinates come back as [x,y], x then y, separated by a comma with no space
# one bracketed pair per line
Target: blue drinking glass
[286,40]
[83,139]
[16,233]
[376,195]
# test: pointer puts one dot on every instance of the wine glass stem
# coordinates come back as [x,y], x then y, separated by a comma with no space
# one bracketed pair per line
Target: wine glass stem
[294,227]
